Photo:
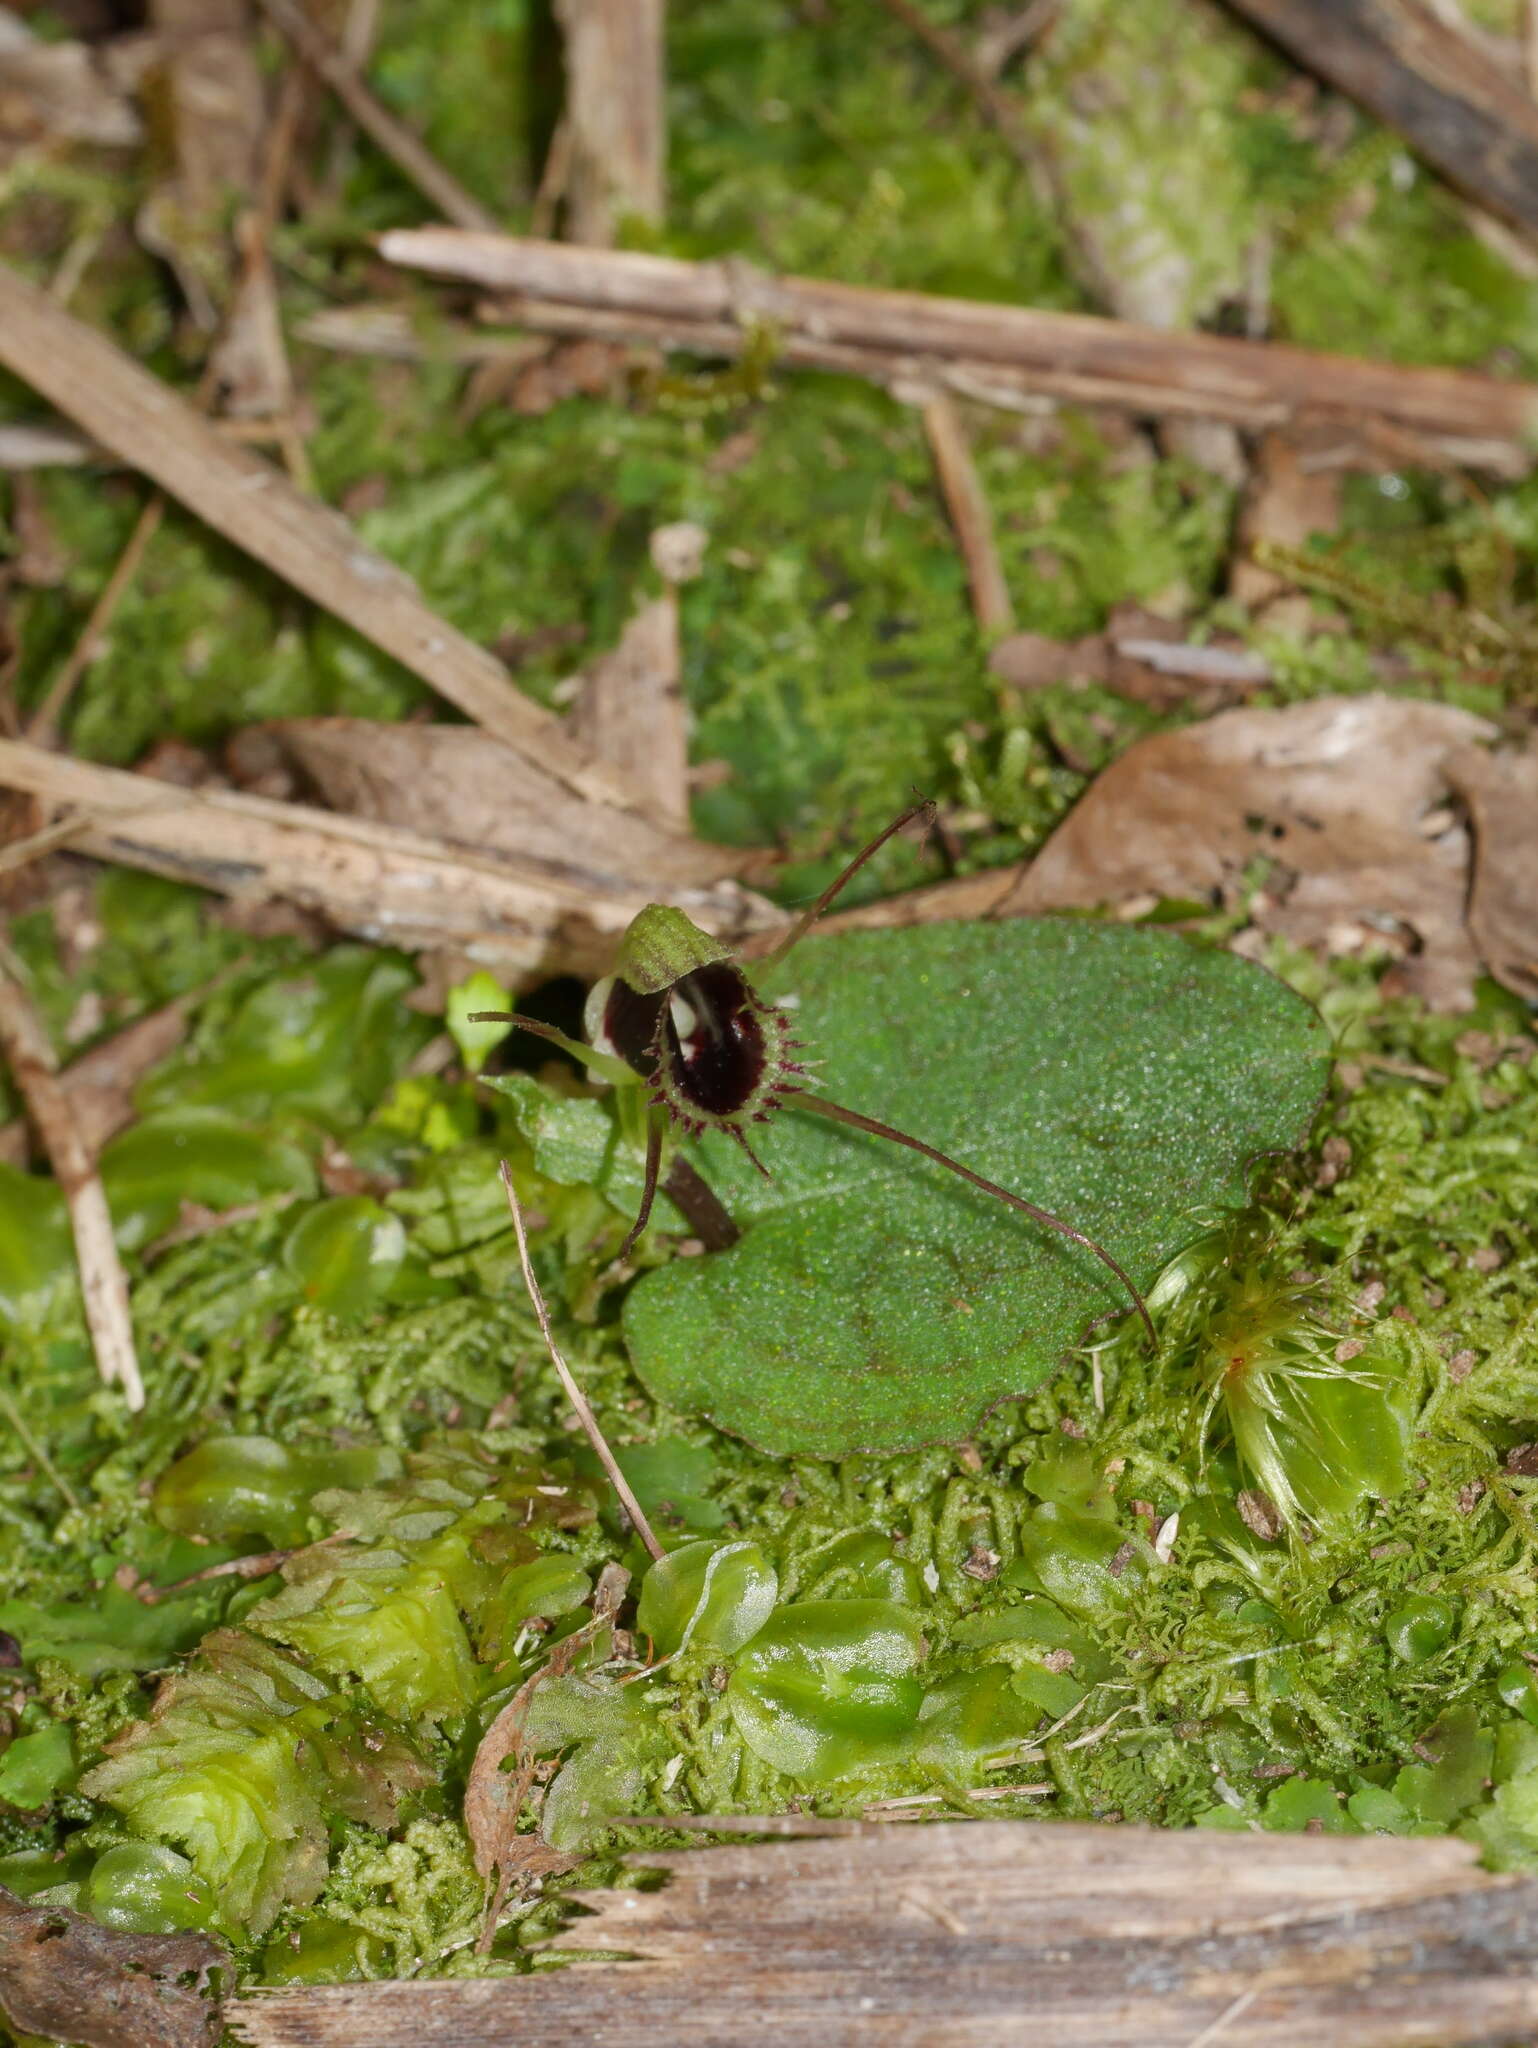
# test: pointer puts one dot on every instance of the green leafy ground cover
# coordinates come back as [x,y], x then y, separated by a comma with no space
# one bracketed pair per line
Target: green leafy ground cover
[1015,1611]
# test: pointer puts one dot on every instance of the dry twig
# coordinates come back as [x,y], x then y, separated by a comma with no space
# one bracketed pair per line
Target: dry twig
[43,725]
[1014,356]
[98,1085]
[608,158]
[382,882]
[406,151]
[103,1288]
[255,1566]
[1466,116]
[967,503]
[979,81]
[974,1933]
[251,504]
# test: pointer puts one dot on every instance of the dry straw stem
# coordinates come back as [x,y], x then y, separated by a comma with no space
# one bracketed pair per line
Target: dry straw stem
[574,1393]
[253,505]
[968,1935]
[404,149]
[967,504]
[386,884]
[1470,119]
[1014,356]
[102,1285]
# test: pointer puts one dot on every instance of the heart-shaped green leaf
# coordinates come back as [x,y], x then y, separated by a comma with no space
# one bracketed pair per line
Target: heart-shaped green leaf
[1122,1079]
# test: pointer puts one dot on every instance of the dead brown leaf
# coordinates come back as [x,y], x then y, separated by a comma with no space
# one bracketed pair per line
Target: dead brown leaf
[39,562]
[566,369]
[1140,656]
[1035,661]
[67,1979]
[495,1798]
[630,711]
[457,784]
[1501,791]
[1346,794]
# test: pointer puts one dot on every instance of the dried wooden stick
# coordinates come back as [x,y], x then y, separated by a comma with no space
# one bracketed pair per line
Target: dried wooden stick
[252,504]
[973,1934]
[614,135]
[1007,354]
[98,1085]
[255,1566]
[387,884]
[28,447]
[1457,108]
[102,1285]
[376,329]
[967,503]
[406,151]
[20,853]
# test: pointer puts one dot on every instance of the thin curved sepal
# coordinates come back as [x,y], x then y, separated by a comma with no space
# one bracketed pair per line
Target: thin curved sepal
[769,949]
[656,1130]
[603,1064]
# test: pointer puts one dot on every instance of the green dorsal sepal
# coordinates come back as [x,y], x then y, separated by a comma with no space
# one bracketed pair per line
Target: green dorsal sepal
[661,947]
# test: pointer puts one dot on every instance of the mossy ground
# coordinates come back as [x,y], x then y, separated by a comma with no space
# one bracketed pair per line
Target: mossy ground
[832,663]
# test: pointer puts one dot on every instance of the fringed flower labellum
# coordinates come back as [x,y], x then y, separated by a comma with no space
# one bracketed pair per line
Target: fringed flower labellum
[679,1016]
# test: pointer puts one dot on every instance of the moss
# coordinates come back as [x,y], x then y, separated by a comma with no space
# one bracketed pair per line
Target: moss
[1137,114]
[832,662]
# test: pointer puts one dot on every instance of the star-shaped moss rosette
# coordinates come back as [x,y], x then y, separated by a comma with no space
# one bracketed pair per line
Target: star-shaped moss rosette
[1126,1079]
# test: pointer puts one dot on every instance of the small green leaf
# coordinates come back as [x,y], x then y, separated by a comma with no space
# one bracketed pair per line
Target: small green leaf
[36,1766]
[193,1155]
[37,1252]
[828,1688]
[975,1715]
[669,1479]
[230,1487]
[481,992]
[716,1596]
[1421,1626]
[329,1041]
[345,1252]
[146,1888]
[1308,1805]
[113,1632]
[1123,1079]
